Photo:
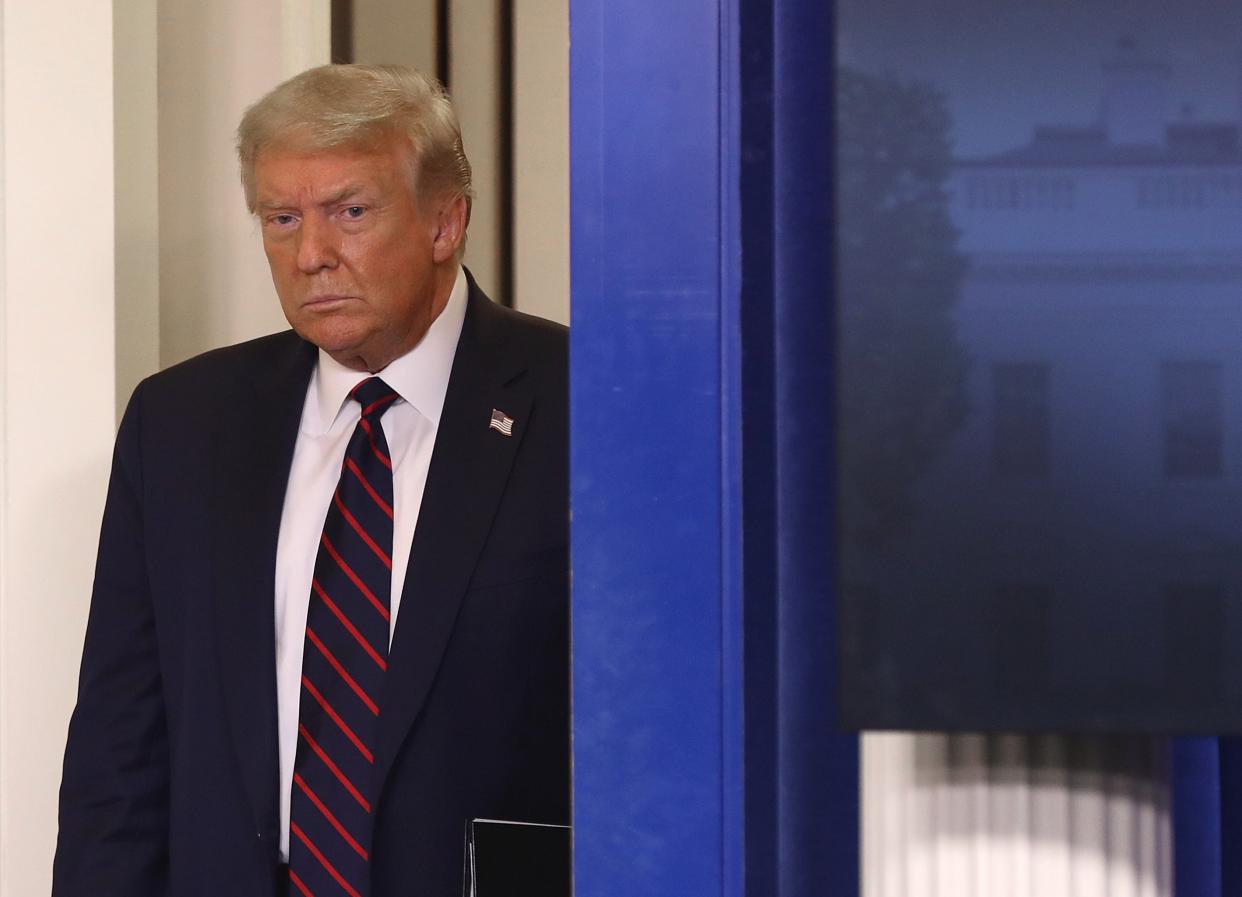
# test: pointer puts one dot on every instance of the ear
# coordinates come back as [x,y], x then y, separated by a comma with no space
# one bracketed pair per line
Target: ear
[450,229]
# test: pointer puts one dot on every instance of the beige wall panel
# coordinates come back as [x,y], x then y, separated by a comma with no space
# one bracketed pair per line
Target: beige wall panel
[474,81]
[396,31]
[134,60]
[57,366]
[306,34]
[215,59]
[541,158]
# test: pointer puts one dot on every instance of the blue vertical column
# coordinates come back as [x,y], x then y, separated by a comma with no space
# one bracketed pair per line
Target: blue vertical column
[819,787]
[800,771]
[1195,771]
[656,615]
[706,760]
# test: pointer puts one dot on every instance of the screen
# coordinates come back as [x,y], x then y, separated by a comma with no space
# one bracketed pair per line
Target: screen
[1039,364]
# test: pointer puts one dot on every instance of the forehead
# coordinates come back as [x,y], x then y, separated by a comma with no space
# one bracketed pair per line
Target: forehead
[293,174]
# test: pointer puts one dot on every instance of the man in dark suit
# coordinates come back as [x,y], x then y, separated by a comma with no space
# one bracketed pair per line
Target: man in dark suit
[330,617]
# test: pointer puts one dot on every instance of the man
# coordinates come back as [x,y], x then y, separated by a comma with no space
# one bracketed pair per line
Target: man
[330,618]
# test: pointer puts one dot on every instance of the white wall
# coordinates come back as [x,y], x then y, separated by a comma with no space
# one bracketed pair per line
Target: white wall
[57,395]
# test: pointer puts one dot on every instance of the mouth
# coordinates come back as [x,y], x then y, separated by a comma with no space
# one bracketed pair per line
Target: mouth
[326,302]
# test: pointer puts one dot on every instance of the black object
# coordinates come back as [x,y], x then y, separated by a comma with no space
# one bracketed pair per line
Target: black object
[516,859]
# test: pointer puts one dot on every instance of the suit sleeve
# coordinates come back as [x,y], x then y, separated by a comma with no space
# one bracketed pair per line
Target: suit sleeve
[113,837]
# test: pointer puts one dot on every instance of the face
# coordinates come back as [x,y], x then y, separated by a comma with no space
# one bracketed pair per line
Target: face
[360,266]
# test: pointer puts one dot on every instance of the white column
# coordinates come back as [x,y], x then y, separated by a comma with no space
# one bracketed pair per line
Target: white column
[57,394]
[1015,816]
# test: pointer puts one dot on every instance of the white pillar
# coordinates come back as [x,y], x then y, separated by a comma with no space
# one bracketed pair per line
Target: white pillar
[1015,816]
[57,394]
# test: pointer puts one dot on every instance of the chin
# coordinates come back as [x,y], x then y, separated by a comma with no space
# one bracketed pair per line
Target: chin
[331,336]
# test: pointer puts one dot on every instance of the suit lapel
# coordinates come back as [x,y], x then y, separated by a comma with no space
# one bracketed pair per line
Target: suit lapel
[253,453]
[469,468]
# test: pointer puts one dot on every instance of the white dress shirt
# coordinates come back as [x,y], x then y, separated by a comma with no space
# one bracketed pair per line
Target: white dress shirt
[420,377]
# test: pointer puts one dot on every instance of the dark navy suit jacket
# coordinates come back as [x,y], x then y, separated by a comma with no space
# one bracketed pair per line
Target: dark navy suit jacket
[170,777]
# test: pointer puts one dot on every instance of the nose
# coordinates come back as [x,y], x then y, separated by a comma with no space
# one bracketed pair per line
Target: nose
[316,246]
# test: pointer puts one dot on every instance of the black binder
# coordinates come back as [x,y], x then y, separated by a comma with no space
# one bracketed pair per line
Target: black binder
[516,859]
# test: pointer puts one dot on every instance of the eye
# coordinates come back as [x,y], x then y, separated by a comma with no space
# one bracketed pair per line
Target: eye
[354,212]
[281,220]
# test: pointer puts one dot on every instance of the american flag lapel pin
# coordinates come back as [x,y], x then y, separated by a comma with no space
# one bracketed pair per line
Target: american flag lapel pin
[501,423]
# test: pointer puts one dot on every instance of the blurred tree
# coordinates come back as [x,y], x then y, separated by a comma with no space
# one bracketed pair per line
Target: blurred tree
[901,368]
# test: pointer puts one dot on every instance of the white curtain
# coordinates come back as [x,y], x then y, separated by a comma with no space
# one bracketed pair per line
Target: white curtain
[1015,816]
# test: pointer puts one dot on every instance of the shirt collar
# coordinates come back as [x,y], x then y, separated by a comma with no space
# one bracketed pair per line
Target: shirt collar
[420,376]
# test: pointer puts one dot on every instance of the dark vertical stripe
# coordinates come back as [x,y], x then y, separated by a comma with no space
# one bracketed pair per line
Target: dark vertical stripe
[759,453]
[504,149]
[1229,752]
[442,42]
[1196,818]
[342,31]
[817,765]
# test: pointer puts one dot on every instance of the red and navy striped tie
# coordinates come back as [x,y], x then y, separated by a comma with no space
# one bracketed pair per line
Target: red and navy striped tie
[343,664]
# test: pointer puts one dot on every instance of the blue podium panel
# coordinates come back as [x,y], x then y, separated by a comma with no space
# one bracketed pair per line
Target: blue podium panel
[706,760]
[649,535]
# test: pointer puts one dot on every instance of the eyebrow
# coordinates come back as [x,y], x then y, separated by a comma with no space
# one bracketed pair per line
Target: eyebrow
[346,192]
[341,195]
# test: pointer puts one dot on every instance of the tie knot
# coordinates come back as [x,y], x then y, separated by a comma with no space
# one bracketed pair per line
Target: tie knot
[375,396]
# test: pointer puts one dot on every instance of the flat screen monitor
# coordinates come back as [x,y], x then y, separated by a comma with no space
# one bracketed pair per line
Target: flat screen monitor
[1039,365]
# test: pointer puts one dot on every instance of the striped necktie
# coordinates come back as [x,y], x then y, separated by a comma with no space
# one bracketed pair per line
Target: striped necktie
[343,664]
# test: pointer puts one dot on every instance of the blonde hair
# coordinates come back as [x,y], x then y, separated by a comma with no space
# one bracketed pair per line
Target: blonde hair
[360,106]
